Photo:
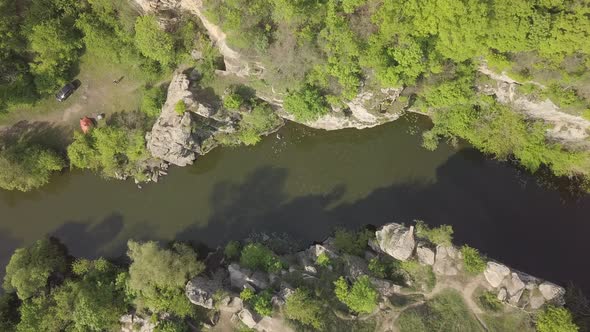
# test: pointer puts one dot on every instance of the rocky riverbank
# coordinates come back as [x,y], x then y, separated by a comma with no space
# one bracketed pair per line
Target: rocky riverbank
[218,289]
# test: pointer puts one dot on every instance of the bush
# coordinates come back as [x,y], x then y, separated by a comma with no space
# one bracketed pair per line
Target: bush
[257,256]
[232,250]
[30,268]
[247,294]
[152,41]
[26,168]
[351,242]
[555,319]
[489,301]
[172,326]
[377,267]
[305,309]
[233,101]
[180,107]
[260,302]
[422,276]
[152,101]
[472,260]
[441,235]
[306,104]
[361,298]
[323,260]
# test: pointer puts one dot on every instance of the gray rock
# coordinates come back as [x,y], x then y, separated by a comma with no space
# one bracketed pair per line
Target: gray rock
[552,292]
[238,277]
[395,240]
[270,324]
[445,262]
[502,294]
[513,284]
[513,299]
[385,287]
[200,290]
[233,306]
[259,279]
[536,300]
[355,266]
[133,323]
[495,273]
[247,318]
[314,251]
[425,255]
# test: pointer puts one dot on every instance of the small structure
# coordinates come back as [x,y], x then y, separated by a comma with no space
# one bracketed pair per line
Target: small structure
[86,124]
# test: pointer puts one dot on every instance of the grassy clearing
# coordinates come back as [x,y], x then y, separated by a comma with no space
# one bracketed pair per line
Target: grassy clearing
[515,321]
[96,94]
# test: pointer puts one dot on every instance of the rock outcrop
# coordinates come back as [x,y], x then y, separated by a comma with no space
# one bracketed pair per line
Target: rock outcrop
[446,261]
[395,240]
[171,138]
[425,255]
[241,278]
[495,273]
[200,291]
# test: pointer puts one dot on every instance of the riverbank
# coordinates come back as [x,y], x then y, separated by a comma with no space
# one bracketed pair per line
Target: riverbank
[395,278]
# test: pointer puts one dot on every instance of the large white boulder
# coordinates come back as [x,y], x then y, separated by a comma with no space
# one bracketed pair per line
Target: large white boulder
[425,255]
[395,240]
[552,292]
[495,273]
[200,290]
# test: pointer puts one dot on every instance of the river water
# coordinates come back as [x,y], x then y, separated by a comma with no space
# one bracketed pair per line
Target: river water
[307,183]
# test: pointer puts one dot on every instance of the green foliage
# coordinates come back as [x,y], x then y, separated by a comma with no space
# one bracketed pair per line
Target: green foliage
[112,150]
[247,294]
[306,104]
[152,101]
[445,312]
[232,250]
[305,309]
[152,41]
[172,326]
[157,276]
[9,316]
[323,260]
[489,301]
[94,300]
[555,319]
[377,267]
[180,107]
[361,297]
[422,276]
[40,313]
[233,101]
[472,260]
[351,242]
[260,302]
[257,256]
[30,268]
[441,235]
[26,167]
[563,97]
[259,121]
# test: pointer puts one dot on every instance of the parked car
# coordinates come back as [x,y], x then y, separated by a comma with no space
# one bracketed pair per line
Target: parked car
[65,92]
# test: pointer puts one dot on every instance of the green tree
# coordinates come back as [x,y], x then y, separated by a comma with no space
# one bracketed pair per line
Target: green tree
[157,277]
[361,297]
[305,309]
[152,41]
[152,101]
[9,315]
[30,268]
[26,167]
[555,319]
[306,104]
[257,256]
[40,313]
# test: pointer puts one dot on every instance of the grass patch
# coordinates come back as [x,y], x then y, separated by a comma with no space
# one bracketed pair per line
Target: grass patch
[516,321]
[421,276]
[445,312]
[489,302]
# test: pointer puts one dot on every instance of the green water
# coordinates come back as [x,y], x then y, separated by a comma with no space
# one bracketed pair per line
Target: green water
[305,184]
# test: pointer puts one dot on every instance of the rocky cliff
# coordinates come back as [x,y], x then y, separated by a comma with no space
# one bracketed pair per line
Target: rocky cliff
[517,290]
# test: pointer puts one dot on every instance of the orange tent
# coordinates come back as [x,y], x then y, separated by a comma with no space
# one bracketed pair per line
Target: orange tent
[86,124]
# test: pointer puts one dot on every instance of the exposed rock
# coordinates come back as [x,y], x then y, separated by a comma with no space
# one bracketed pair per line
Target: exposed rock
[425,255]
[270,324]
[385,287]
[445,261]
[171,138]
[132,323]
[355,266]
[259,279]
[234,305]
[502,294]
[247,318]
[513,284]
[200,290]
[516,297]
[395,240]
[317,249]
[552,292]
[495,273]
[536,300]
[238,277]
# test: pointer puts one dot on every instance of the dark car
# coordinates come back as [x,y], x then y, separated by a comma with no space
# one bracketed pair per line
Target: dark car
[65,92]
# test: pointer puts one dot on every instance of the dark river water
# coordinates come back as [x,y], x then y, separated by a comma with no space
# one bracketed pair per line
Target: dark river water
[305,185]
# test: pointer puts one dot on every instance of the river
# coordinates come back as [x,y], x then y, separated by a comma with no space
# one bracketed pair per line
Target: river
[307,183]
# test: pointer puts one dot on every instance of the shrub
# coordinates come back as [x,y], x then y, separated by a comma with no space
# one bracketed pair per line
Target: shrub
[307,104]
[351,242]
[472,260]
[26,168]
[260,302]
[180,107]
[441,235]
[172,326]
[233,101]
[257,256]
[152,101]
[361,298]
[152,41]
[489,301]
[378,268]
[302,307]
[555,319]
[247,294]
[232,250]
[323,260]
